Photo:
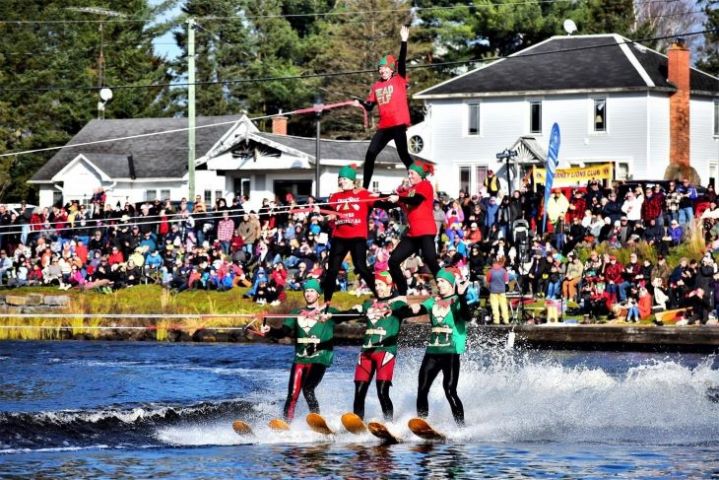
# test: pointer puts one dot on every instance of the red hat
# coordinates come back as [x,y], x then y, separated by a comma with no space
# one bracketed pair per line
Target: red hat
[387,61]
[384,277]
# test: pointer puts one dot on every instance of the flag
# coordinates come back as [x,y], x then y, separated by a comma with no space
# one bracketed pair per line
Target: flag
[552,161]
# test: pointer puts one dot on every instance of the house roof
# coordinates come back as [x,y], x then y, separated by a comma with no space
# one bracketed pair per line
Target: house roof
[165,156]
[607,62]
[157,156]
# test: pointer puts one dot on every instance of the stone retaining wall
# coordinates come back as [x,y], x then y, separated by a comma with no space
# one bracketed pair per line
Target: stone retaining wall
[33,303]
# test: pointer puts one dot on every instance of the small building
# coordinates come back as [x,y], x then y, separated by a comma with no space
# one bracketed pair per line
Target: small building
[233,157]
[614,100]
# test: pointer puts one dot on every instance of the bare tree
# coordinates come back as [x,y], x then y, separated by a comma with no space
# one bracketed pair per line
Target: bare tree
[669,18]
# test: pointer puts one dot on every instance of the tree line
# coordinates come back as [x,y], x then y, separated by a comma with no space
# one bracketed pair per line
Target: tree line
[49,51]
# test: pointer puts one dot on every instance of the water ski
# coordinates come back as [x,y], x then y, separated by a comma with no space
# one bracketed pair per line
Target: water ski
[353,423]
[241,428]
[278,425]
[422,429]
[318,424]
[380,431]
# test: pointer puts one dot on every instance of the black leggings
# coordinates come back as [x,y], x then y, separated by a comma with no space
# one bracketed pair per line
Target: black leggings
[357,247]
[380,140]
[406,247]
[305,378]
[432,364]
[383,395]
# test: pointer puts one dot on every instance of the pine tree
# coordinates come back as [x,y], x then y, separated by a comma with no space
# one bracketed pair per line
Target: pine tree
[710,50]
[50,78]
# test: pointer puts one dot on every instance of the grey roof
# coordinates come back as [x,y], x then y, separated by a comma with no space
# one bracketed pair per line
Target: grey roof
[349,150]
[595,62]
[157,156]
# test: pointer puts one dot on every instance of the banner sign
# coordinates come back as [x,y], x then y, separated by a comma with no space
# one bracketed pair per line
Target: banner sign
[570,177]
[552,162]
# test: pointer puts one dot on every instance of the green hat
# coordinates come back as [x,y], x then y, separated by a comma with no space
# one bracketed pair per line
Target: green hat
[312,284]
[418,169]
[384,277]
[447,275]
[387,60]
[348,172]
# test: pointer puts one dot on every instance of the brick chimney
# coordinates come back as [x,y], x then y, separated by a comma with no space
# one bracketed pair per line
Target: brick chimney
[678,75]
[279,124]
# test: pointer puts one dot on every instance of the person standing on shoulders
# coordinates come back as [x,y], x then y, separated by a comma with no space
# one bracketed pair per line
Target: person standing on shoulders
[416,202]
[389,93]
[349,230]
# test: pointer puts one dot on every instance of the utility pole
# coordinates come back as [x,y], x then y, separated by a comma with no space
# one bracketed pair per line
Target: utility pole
[191,109]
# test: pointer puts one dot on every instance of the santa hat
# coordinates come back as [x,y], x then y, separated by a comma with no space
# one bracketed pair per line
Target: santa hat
[387,61]
[384,277]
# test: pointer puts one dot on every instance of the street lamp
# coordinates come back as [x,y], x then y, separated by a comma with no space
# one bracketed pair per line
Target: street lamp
[105,93]
[507,155]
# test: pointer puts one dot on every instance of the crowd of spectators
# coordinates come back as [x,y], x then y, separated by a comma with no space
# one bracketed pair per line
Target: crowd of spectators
[189,245]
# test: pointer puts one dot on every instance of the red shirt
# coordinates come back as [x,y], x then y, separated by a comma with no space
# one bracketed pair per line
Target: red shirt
[353,207]
[420,218]
[614,272]
[391,99]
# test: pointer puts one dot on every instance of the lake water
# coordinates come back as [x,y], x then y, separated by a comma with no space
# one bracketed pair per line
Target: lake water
[153,410]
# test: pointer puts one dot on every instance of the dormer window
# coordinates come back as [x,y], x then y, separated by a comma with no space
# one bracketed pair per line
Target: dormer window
[535,116]
[600,115]
[473,119]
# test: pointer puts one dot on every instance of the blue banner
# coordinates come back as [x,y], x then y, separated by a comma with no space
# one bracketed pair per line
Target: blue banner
[552,161]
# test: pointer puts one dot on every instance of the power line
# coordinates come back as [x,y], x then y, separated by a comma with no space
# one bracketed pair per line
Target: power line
[343,73]
[298,77]
[311,14]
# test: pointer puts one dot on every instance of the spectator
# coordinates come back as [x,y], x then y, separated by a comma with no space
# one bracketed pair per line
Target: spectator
[497,279]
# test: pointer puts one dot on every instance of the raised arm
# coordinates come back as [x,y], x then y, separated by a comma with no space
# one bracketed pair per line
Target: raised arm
[402,63]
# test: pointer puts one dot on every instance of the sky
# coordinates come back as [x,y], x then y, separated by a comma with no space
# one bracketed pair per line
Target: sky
[165,45]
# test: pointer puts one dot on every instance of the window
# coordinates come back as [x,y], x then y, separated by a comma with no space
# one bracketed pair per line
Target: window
[208,197]
[535,116]
[481,176]
[165,194]
[416,144]
[375,186]
[150,195]
[56,197]
[218,195]
[473,120]
[600,115]
[242,186]
[464,179]
[622,172]
[713,172]
[716,118]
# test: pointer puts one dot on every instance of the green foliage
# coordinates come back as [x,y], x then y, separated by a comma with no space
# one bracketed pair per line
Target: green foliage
[149,299]
[710,50]
[50,77]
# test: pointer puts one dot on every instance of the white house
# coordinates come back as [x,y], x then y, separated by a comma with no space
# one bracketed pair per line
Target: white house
[614,100]
[233,157]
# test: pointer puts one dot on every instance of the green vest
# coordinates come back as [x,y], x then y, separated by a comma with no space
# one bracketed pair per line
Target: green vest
[382,326]
[449,332]
[313,339]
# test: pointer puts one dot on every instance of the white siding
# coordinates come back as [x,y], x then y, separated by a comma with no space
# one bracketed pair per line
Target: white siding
[704,146]
[658,137]
[80,182]
[504,120]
